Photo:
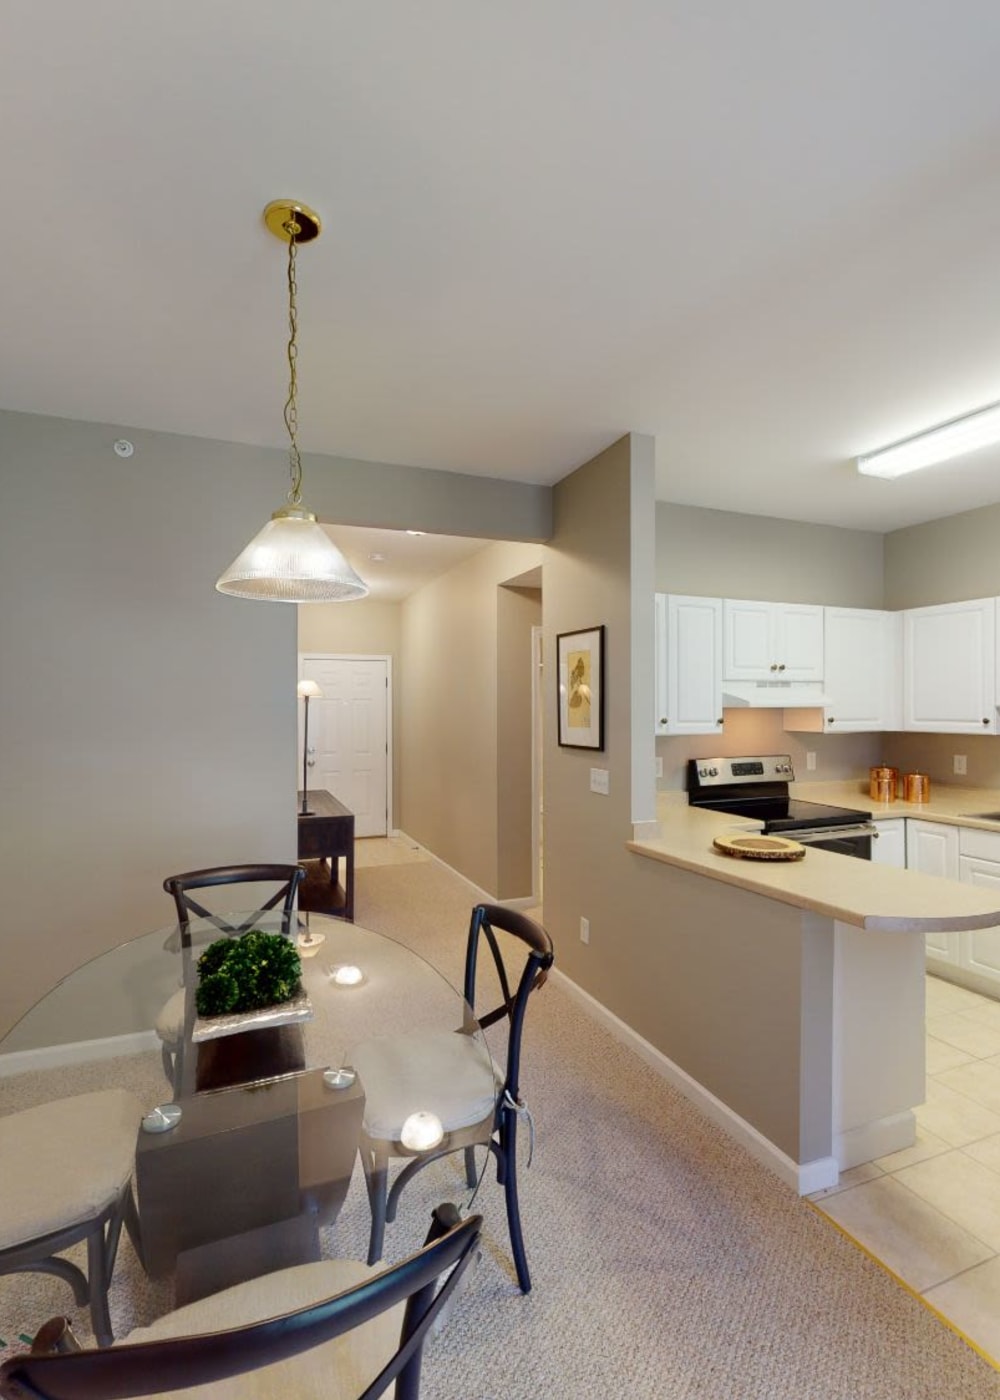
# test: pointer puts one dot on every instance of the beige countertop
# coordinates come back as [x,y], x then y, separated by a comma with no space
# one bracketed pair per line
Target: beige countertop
[948,803]
[876,897]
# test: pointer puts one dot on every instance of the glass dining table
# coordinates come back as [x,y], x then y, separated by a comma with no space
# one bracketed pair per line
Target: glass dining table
[249,1145]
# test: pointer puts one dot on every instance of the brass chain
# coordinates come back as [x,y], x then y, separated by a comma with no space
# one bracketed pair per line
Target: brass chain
[293,229]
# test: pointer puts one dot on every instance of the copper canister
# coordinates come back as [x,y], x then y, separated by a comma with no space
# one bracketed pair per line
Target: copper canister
[917,787]
[883,783]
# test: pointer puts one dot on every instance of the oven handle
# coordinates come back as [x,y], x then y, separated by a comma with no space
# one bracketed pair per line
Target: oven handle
[831,833]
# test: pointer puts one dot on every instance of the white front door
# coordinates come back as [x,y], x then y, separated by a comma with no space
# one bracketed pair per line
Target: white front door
[348,732]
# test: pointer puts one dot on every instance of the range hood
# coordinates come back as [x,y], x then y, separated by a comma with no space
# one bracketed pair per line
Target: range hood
[773,695]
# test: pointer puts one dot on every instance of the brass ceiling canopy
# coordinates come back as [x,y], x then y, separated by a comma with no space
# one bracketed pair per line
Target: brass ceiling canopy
[287,218]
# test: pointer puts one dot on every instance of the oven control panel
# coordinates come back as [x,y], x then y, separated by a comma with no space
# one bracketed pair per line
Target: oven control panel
[713,772]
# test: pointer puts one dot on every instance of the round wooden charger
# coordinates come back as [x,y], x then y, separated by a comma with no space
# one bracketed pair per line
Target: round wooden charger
[753,847]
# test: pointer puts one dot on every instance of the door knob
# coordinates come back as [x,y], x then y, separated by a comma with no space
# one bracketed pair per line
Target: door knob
[310,763]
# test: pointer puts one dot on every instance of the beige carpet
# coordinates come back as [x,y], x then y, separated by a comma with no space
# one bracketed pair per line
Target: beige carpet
[666,1261]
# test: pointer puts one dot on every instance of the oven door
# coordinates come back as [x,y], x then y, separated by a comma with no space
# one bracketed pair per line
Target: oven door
[845,840]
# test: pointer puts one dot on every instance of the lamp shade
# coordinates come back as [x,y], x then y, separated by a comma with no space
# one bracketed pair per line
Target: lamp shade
[308,690]
[292,560]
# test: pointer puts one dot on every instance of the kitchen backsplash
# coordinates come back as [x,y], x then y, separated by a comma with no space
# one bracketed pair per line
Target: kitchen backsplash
[838,756]
[934,754]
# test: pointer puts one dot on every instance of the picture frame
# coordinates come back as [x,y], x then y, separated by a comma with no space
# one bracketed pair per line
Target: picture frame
[580,671]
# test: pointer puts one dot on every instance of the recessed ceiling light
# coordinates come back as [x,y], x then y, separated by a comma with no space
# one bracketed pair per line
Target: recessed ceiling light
[416,532]
[377,558]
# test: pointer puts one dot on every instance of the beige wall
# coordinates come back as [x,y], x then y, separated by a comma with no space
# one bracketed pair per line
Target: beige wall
[518,611]
[712,977]
[449,727]
[365,628]
[720,554]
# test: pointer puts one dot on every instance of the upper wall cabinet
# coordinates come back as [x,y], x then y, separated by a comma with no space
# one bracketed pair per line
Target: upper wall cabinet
[949,668]
[772,641]
[863,675]
[688,665]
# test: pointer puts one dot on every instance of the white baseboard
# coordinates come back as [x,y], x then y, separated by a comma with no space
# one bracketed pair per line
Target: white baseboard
[78,1052]
[802,1177]
[877,1139]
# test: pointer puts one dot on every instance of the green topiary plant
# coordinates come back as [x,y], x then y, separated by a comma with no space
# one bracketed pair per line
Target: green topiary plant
[247,973]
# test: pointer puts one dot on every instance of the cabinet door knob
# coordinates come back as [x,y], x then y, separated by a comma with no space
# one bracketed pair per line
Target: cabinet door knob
[774,665]
[781,667]
[986,721]
[831,720]
[664,720]
[876,834]
[720,720]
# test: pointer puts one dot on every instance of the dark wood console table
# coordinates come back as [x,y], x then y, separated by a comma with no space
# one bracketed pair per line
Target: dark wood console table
[326,832]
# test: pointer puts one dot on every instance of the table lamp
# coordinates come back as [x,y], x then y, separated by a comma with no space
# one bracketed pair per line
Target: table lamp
[308,690]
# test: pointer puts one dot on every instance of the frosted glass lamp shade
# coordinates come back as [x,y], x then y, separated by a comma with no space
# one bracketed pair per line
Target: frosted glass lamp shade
[308,690]
[292,560]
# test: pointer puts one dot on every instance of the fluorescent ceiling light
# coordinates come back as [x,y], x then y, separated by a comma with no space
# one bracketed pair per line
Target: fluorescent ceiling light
[939,444]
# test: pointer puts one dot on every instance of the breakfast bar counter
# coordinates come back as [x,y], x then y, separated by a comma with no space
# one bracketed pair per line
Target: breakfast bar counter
[857,892]
[792,993]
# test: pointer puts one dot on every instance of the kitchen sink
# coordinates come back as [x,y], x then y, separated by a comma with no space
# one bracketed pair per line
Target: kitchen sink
[983,816]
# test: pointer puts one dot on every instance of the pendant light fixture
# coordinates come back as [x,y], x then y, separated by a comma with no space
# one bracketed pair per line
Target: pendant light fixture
[292,559]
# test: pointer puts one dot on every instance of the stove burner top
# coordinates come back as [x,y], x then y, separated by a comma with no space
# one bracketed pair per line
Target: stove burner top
[757,788]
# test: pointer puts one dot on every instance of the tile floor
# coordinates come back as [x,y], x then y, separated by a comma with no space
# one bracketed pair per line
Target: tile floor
[932,1212]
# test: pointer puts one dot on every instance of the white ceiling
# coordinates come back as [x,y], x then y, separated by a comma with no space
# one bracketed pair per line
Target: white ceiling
[394,563]
[768,234]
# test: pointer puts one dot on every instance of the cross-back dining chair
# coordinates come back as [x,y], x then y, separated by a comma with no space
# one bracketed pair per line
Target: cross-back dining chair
[169,1022]
[66,1176]
[437,1071]
[335,1329]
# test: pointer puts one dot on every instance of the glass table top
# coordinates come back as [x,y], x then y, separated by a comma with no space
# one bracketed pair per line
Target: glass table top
[271,1109]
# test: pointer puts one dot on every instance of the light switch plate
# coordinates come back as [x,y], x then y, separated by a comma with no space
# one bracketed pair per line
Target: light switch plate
[960,764]
[599,780]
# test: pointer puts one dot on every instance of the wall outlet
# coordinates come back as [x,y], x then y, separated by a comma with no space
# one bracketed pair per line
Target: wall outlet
[960,766]
[810,761]
[599,780]
[659,767]
[584,930]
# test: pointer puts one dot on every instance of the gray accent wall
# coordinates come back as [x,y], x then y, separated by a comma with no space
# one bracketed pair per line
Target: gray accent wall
[720,554]
[944,561]
[147,722]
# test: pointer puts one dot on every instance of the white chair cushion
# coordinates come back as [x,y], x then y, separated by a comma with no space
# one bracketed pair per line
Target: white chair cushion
[337,1370]
[169,1022]
[65,1162]
[440,1072]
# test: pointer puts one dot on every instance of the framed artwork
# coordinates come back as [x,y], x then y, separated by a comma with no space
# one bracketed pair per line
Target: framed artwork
[580,662]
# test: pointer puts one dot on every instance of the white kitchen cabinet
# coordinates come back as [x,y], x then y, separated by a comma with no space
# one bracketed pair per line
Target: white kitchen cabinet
[688,664]
[772,641]
[862,675]
[889,842]
[862,669]
[979,864]
[949,668]
[932,848]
